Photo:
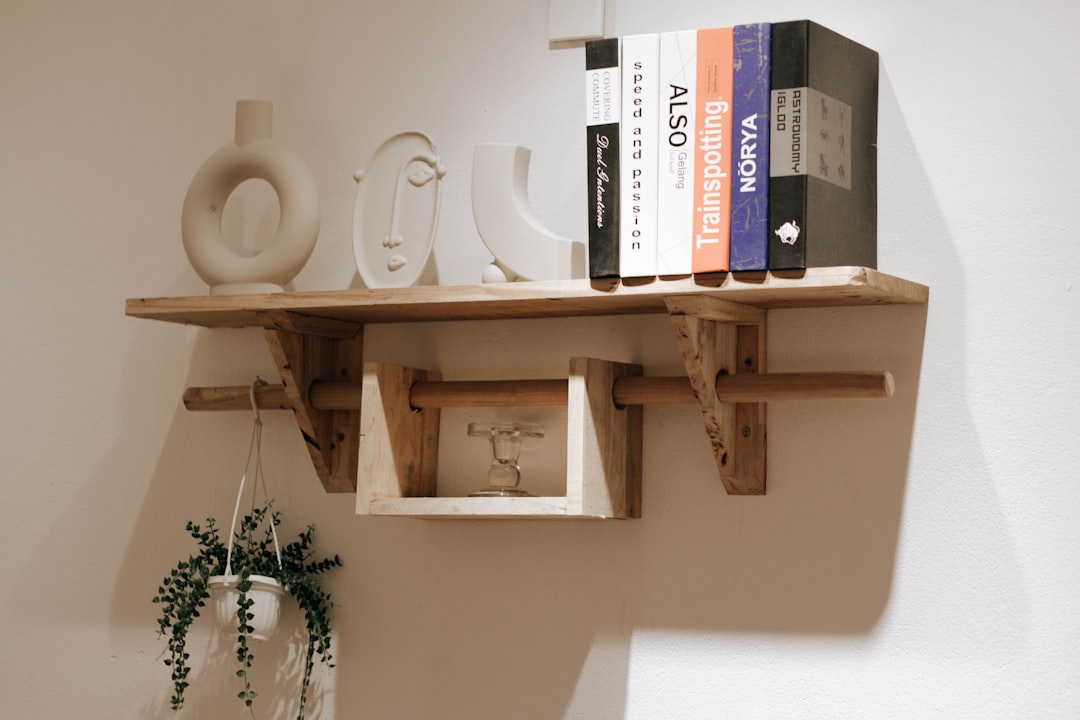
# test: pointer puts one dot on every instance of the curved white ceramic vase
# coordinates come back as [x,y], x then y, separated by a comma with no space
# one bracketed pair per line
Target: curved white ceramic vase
[523,248]
[396,212]
[253,155]
[265,593]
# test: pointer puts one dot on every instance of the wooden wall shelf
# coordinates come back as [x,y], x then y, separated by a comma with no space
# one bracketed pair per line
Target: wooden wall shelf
[373,428]
[816,287]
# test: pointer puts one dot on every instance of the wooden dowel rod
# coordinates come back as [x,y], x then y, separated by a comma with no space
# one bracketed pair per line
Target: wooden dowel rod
[488,393]
[630,390]
[626,391]
[336,396]
[446,393]
[770,387]
[267,397]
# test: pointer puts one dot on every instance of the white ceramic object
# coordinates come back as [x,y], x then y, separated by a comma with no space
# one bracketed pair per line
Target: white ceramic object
[266,595]
[523,248]
[253,155]
[396,211]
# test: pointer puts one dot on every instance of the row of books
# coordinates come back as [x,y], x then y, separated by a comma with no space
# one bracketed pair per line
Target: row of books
[742,148]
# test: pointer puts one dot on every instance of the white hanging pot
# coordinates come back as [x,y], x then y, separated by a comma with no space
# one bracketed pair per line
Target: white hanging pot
[265,593]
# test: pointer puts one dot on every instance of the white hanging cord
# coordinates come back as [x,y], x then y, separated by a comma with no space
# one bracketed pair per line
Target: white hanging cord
[260,478]
[255,446]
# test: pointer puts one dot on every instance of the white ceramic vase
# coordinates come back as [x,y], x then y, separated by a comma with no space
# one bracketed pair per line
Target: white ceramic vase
[523,248]
[397,211]
[266,594]
[253,155]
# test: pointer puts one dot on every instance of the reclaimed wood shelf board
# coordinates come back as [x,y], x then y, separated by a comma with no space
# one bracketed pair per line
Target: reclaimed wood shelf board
[815,287]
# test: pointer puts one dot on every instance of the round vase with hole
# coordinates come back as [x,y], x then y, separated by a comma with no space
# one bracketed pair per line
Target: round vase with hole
[253,155]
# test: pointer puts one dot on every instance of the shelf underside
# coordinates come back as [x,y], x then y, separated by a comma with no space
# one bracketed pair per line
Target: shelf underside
[519,508]
[815,287]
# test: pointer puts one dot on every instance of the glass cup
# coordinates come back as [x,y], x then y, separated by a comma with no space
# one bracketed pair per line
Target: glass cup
[504,475]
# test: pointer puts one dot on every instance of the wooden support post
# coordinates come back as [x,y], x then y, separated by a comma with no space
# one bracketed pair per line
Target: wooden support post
[603,451]
[304,357]
[750,426]
[718,337]
[399,446]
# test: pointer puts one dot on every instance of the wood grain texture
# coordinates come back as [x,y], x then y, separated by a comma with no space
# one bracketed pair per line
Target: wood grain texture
[708,347]
[814,287]
[331,436]
[603,451]
[515,508]
[628,390]
[236,397]
[777,387]
[399,446]
[719,339]
[749,439]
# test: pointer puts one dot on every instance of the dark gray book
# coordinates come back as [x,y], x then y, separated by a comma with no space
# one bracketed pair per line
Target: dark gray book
[823,149]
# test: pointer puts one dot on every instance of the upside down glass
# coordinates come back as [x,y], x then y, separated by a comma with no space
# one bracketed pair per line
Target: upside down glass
[504,475]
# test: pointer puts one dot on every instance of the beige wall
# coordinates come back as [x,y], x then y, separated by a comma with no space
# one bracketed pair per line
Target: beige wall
[914,558]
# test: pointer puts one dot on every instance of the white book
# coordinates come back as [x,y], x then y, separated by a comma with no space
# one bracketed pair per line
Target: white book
[675,171]
[639,145]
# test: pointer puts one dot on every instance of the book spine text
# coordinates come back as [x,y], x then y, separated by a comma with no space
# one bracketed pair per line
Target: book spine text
[713,151]
[638,199]
[603,110]
[751,108]
[675,191]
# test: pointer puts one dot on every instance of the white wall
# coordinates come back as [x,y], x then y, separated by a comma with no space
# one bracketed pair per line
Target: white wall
[914,558]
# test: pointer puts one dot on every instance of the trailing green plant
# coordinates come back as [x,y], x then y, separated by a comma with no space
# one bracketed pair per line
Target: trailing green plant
[184,592]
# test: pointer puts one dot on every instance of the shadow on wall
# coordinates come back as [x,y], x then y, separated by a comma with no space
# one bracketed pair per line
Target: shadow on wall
[275,676]
[537,620]
[200,465]
[475,619]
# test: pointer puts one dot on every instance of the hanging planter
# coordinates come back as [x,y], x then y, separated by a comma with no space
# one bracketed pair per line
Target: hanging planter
[265,611]
[245,580]
[249,603]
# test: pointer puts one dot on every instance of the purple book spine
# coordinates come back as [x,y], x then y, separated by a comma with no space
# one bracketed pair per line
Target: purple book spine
[750,191]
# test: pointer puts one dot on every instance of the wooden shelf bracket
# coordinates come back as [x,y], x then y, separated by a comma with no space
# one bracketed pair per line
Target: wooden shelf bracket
[603,450]
[722,338]
[399,445]
[306,353]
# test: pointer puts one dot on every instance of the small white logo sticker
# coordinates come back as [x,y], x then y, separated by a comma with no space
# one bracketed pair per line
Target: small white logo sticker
[788,233]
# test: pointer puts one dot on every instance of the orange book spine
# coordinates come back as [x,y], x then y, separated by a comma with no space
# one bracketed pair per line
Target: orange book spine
[712,170]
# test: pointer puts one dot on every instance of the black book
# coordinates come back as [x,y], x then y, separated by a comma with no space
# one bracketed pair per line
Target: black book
[604,109]
[823,154]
